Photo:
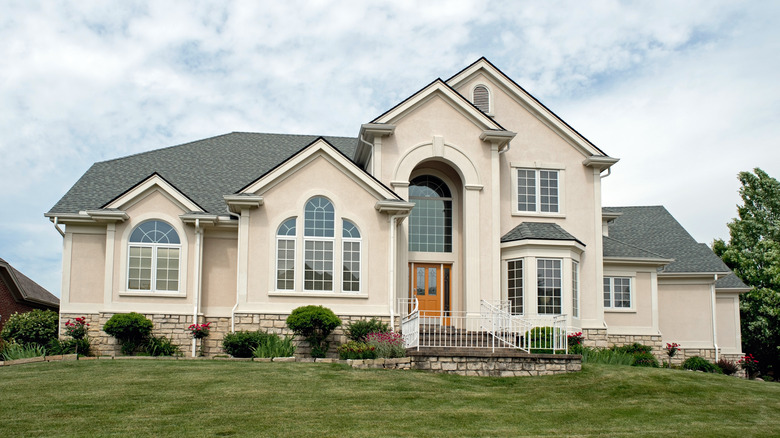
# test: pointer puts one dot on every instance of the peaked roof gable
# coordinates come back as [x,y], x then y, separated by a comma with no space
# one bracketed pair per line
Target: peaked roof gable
[25,288]
[528,101]
[319,148]
[441,89]
[155,180]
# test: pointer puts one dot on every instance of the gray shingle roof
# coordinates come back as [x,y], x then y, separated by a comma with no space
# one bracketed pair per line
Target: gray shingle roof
[616,248]
[538,231]
[653,229]
[203,170]
[28,289]
[730,281]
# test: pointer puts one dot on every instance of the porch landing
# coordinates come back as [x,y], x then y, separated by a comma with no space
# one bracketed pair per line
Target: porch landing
[499,363]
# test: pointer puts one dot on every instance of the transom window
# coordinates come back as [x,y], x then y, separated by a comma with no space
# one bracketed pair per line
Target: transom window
[319,251]
[153,258]
[617,292]
[549,281]
[538,191]
[430,223]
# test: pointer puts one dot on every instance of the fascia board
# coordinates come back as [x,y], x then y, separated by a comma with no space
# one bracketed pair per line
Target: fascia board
[451,96]
[544,243]
[132,195]
[636,261]
[530,103]
[319,148]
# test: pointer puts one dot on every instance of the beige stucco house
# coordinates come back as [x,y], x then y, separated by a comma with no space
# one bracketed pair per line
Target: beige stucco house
[468,196]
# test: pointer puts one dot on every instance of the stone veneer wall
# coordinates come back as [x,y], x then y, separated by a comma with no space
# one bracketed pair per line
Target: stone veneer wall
[174,327]
[506,363]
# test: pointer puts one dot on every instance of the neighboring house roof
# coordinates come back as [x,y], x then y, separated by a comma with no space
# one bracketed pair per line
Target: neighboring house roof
[653,229]
[25,289]
[203,170]
[538,231]
[731,281]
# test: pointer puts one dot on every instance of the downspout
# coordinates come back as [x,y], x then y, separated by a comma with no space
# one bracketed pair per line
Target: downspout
[238,264]
[714,326]
[508,146]
[609,172]
[371,146]
[56,226]
[198,266]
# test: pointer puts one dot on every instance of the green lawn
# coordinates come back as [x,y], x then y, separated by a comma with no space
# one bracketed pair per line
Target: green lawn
[222,398]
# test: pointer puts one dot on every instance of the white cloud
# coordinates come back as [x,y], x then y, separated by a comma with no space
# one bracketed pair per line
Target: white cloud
[661,85]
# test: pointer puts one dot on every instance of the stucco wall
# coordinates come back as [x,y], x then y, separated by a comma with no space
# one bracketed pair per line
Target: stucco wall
[685,314]
[88,265]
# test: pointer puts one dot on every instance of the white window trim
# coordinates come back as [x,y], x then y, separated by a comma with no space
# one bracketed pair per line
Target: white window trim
[631,296]
[536,167]
[124,259]
[575,292]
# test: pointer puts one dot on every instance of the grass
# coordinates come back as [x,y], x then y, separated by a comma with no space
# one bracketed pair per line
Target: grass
[224,398]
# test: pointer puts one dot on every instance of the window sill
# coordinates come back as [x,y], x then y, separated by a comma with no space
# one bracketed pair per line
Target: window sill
[537,214]
[614,310]
[318,294]
[152,294]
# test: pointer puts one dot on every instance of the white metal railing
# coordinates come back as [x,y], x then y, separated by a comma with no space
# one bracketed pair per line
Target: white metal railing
[410,324]
[494,327]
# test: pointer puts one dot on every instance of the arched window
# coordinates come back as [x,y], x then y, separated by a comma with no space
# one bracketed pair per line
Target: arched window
[430,223]
[285,255]
[153,258]
[350,258]
[481,98]
[318,238]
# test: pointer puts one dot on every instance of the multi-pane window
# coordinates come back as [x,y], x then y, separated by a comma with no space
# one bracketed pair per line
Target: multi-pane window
[617,292]
[153,258]
[575,289]
[430,223]
[321,256]
[285,255]
[350,258]
[318,241]
[538,191]
[548,290]
[515,286]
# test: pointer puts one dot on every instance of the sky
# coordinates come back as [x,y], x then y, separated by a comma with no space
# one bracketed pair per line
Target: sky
[686,94]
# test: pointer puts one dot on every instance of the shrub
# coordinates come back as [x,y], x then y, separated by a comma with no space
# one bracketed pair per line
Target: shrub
[14,351]
[750,365]
[359,330]
[274,345]
[161,346]
[697,363]
[77,329]
[606,356]
[574,341]
[37,327]
[645,360]
[728,367]
[132,330]
[387,344]
[635,348]
[69,346]
[242,343]
[314,324]
[356,350]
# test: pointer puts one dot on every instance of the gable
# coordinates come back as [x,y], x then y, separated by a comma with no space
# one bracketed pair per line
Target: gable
[320,150]
[482,71]
[154,184]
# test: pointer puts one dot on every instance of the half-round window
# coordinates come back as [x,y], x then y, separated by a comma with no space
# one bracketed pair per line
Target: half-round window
[430,223]
[153,258]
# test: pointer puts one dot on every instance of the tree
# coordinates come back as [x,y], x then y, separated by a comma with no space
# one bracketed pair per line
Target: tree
[753,253]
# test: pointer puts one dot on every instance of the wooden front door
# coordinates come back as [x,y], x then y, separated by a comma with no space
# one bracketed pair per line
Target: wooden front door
[430,284]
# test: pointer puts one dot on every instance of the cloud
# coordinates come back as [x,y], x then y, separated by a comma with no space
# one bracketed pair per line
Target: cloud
[661,85]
